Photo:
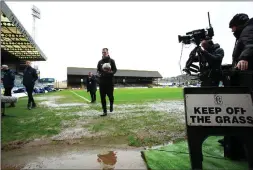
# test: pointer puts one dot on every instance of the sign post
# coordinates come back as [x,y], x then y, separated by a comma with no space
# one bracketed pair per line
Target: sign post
[214,111]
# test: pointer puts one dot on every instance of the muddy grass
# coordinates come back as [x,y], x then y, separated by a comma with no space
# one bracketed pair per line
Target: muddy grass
[145,124]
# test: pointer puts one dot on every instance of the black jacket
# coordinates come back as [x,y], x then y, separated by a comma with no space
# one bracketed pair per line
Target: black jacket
[105,77]
[214,57]
[91,83]
[243,49]
[30,76]
[8,78]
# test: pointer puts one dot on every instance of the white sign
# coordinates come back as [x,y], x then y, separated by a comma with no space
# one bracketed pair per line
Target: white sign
[219,110]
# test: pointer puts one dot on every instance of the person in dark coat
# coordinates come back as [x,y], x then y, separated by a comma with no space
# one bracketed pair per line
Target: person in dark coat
[106,69]
[242,28]
[92,86]
[213,54]
[8,81]
[29,79]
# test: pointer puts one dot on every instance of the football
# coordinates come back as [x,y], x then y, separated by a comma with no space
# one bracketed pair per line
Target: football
[106,66]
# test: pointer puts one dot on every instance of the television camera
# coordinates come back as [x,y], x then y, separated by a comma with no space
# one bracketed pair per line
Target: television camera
[229,75]
[195,37]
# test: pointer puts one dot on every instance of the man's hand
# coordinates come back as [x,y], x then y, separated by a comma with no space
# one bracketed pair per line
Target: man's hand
[242,65]
[107,70]
[204,44]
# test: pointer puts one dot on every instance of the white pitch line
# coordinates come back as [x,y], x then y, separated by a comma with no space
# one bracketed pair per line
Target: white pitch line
[81,96]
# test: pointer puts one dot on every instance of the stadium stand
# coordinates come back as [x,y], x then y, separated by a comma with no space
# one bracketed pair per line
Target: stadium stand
[17,45]
[123,78]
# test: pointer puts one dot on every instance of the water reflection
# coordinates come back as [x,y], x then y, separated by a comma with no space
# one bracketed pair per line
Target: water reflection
[107,160]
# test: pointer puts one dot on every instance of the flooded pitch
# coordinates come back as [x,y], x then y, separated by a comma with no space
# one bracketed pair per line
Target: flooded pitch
[81,156]
[73,158]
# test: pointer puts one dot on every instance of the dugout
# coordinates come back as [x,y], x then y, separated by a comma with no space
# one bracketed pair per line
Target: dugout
[122,77]
[17,45]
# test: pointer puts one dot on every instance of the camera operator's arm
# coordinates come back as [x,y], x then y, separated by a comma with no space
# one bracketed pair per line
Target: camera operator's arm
[218,54]
[211,52]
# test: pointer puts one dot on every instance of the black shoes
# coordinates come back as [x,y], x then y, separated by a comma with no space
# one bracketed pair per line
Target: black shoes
[111,108]
[104,114]
[34,105]
[105,110]
[31,107]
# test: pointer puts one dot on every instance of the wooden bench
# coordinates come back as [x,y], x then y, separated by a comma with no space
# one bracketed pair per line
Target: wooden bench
[7,99]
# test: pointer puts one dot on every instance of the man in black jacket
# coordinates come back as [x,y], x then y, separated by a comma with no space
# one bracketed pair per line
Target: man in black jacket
[242,28]
[106,69]
[29,78]
[91,84]
[8,81]
[211,56]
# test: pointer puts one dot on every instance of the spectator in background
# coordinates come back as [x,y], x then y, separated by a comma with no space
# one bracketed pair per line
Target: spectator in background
[29,78]
[92,86]
[8,81]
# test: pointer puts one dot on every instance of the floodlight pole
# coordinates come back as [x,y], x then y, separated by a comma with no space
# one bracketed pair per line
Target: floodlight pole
[36,15]
[34,18]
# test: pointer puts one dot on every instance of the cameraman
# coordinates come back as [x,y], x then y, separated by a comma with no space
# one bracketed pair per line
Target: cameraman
[213,55]
[242,28]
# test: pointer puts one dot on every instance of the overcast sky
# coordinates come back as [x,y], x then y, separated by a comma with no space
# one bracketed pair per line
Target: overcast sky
[139,35]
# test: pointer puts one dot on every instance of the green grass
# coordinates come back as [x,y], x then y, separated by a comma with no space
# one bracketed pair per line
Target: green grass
[147,129]
[139,95]
[21,124]
[176,156]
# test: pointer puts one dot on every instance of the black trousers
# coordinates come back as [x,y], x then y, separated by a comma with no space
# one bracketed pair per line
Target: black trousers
[93,95]
[29,90]
[7,92]
[106,89]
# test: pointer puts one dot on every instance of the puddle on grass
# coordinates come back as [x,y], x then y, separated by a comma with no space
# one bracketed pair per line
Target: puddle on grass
[87,113]
[51,98]
[169,107]
[175,108]
[50,104]
[78,158]
[159,146]
[72,133]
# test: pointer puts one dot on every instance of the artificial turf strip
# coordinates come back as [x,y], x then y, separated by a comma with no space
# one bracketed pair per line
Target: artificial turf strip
[176,156]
